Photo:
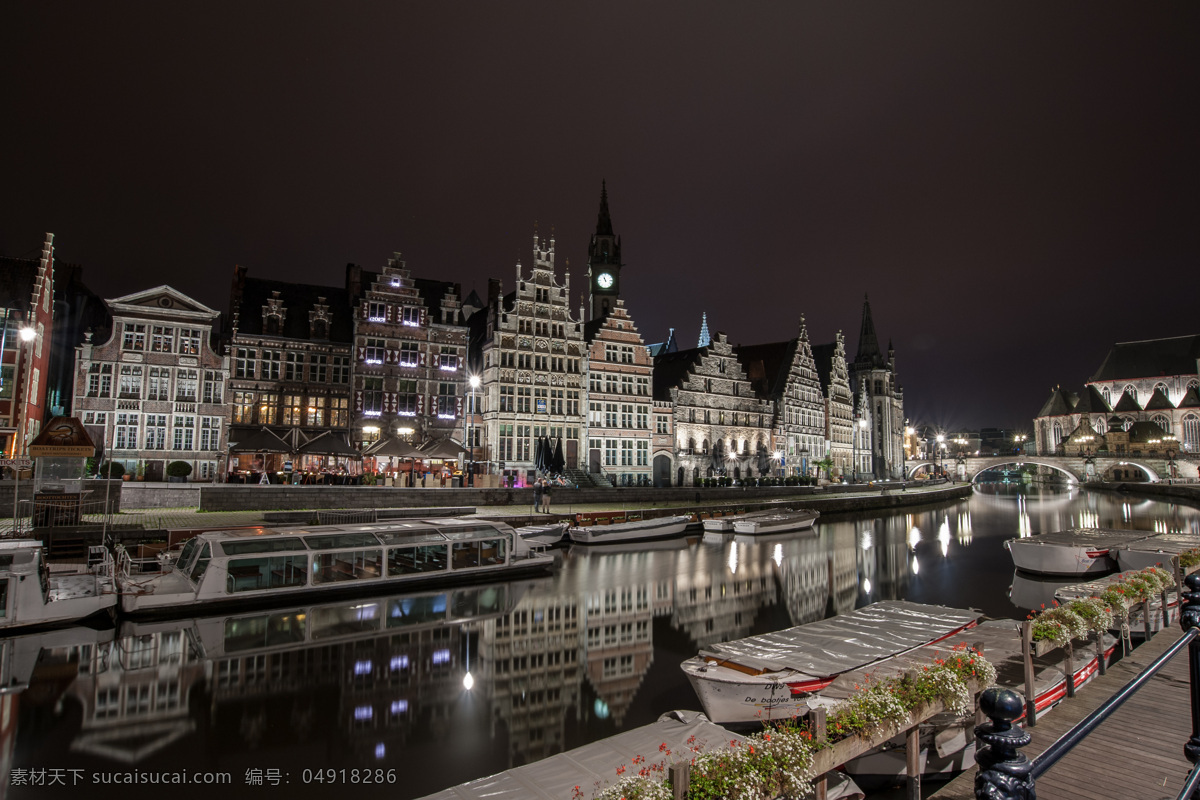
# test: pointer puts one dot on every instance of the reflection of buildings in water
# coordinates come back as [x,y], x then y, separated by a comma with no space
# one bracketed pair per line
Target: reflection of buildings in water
[529,664]
[883,558]
[720,589]
[134,694]
[819,575]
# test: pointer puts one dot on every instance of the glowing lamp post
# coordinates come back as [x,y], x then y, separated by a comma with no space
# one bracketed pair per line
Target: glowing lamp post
[474,383]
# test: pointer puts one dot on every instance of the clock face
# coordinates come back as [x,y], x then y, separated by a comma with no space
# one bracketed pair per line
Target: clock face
[604,280]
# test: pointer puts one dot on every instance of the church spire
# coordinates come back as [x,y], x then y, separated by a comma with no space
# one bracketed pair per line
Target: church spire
[603,220]
[705,339]
[868,344]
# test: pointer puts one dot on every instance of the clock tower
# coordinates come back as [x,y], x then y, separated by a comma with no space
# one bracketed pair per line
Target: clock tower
[604,263]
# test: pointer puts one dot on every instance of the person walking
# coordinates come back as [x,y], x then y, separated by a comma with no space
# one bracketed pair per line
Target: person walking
[546,497]
[537,495]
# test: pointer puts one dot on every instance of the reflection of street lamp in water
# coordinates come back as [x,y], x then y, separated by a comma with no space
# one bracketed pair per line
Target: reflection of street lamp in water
[468,681]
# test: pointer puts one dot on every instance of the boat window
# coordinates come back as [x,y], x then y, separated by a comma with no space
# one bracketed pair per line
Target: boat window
[410,536]
[202,559]
[483,553]
[249,574]
[269,630]
[406,611]
[423,558]
[467,531]
[337,540]
[473,602]
[3,598]
[262,546]
[344,620]
[347,565]
[186,553]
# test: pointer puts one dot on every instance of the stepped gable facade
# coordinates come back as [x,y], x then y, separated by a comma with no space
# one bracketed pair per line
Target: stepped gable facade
[155,391]
[1155,381]
[290,346]
[834,375]
[534,358]
[785,373]
[722,428]
[410,355]
[620,405]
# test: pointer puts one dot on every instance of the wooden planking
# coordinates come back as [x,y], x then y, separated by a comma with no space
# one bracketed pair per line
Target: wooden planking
[1137,752]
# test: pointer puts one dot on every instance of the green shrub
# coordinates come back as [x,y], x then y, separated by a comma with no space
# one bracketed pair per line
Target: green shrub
[111,469]
[179,469]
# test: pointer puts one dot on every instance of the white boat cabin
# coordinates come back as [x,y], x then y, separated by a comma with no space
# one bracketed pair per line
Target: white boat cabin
[220,566]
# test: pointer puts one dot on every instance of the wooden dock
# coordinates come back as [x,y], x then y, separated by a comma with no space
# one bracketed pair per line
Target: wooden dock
[1135,753]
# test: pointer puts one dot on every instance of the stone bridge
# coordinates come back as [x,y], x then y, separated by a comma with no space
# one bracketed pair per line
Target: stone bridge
[1076,469]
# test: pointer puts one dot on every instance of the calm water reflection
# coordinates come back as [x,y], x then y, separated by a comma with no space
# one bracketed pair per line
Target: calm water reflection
[379,684]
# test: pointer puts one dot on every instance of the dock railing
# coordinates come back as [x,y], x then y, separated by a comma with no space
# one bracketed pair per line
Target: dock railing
[1007,774]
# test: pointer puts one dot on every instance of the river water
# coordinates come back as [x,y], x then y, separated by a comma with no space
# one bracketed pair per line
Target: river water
[374,700]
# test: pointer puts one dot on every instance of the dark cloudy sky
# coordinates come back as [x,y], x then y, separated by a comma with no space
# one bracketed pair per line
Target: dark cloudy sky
[1014,183]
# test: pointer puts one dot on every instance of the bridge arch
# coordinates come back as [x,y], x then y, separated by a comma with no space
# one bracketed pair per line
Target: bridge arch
[1020,461]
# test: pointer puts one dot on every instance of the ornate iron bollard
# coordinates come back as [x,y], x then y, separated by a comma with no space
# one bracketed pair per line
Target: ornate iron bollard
[1189,617]
[1004,773]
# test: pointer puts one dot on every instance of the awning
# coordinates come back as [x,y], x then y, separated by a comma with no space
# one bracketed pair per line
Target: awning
[393,448]
[328,444]
[442,448]
[248,440]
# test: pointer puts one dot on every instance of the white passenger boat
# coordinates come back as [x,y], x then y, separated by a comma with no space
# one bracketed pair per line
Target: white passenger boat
[777,675]
[1155,551]
[724,524]
[268,566]
[549,534]
[31,596]
[779,522]
[1077,551]
[634,531]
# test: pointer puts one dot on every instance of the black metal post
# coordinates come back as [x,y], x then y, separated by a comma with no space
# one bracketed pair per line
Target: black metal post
[1189,617]
[1004,773]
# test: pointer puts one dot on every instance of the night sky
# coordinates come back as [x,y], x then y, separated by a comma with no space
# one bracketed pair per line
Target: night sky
[1014,184]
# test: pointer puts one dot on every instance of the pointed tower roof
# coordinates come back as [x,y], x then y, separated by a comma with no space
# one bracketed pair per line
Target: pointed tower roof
[868,343]
[1090,402]
[705,339]
[1060,404]
[1159,402]
[1128,403]
[603,220]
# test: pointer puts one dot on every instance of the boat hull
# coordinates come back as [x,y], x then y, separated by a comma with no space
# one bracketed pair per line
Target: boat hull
[732,697]
[611,534]
[765,526]
[1054,559]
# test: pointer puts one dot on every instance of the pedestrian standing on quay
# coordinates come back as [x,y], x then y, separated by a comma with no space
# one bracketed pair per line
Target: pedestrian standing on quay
[546,497]
[537,495]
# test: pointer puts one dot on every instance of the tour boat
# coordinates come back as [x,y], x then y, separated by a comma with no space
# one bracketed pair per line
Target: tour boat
[636,530]
[267,566]
[1077,551]
[779,522]
[30,595]
[776,675]
[1155,551]
[724,524]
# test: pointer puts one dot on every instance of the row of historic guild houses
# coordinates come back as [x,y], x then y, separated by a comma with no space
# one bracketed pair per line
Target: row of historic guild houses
[405,376]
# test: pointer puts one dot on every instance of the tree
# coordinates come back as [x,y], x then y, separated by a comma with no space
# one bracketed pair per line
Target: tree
[826,464]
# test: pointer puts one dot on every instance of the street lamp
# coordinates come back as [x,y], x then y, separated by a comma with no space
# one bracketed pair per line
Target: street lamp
[1019,442]
[474,382]
[941,449]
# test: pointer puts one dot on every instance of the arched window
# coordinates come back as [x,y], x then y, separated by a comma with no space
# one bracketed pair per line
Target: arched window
[1130,390]
[1107,396]
[1128,422]
[704,446]
[1162,422]
[1162,387]
[1191,433]
[1058,435]
[1100,425]
[691,444]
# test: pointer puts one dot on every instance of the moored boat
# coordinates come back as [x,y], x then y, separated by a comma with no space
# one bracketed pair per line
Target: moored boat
[1077,551]
[631,531]
[724,524]
[549,534]
[268,566]
[779,522]
[777,675]
[31,596]
[1155,551]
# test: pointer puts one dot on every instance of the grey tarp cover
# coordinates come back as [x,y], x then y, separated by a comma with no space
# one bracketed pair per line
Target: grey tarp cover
[1087,537]
[1169,544]
[556,777]
[847,641]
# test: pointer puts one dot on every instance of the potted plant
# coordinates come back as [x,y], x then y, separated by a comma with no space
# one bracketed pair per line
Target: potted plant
[178,471]
[112,470]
